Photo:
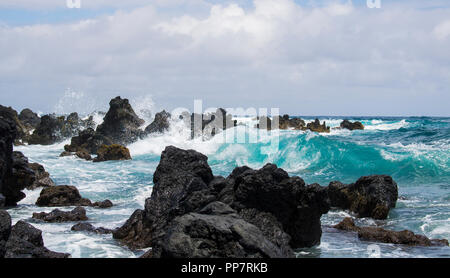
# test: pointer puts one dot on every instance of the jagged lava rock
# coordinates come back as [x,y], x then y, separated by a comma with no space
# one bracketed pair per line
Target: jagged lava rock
[193,213]
[352,126]
[378,234]
[58,216]
[21,130]
[30,119]
[87,141]
[317,127]
[112,152]
[159,124]
[9,190]
[25,241]
[371,196]
[121,123]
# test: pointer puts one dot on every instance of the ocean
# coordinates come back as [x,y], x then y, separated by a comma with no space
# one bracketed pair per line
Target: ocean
[415,151]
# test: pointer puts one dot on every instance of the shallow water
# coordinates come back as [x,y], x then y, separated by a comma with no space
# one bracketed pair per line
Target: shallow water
[414,151]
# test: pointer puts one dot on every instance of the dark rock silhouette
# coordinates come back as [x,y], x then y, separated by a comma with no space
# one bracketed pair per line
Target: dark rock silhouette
[352,126]
[317,127]
[371,196]
[77,214]
[159,124]
[121,123]
[193,213]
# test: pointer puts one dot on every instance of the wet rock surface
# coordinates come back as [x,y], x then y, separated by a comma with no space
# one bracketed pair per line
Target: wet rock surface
[58,216]
[87,227]
[22,240]
[316,126]
[60,196]
[371,196]
[112,152]
[378,234]
[351,125]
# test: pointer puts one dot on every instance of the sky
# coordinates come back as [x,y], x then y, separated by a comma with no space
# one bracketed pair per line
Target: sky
[305,57]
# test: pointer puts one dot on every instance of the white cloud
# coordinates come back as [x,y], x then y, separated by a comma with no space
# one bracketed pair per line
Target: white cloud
[334,59]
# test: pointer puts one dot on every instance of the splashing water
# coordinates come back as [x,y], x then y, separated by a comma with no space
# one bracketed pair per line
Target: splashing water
[415,151]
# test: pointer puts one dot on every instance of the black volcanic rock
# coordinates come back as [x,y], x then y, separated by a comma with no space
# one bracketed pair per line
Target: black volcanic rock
[87,227]
[25,241]
[377,234]
[66,195]
[371,196]
[159,124]
[21,130]
[42,177]
[112,152]
[22,176]
[58,216]
[352,126]
[53,129]
[121,123]
[10,191]
[252,213]
[30,119]
[61,195]
[87,141]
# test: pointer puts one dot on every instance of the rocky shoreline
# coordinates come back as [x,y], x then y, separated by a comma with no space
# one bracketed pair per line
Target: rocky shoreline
[262,213]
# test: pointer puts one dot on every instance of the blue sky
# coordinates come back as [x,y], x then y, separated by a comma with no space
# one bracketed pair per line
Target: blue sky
[304,57]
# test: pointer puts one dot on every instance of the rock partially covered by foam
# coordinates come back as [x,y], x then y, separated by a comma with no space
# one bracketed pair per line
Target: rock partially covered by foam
[378,234]
[58,216]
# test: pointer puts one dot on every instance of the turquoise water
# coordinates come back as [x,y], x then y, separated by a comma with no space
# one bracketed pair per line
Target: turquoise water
[415,151]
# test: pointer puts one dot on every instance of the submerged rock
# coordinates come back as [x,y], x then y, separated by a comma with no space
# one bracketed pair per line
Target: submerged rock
[77,214]
[378,234]
[159,124]
[87,227]
[121,123]
[112,152]
[103,204]
[351,126]
[22,240]
[252,213]
[371,196]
